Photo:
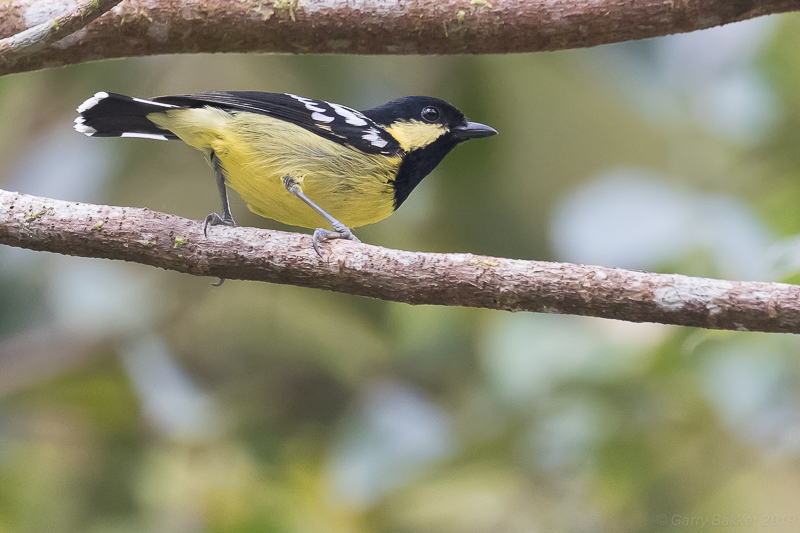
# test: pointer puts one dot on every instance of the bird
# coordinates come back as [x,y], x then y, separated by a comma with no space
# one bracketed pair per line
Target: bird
[295,159]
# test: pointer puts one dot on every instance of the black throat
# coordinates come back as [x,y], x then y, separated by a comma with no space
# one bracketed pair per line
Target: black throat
[419,163]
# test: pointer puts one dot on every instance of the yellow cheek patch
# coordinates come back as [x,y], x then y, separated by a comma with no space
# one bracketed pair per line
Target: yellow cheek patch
[415,133]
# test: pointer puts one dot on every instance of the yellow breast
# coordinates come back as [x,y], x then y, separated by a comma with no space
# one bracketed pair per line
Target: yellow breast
[257,151]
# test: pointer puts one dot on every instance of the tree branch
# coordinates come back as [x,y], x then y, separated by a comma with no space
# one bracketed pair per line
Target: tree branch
[36,38]
[174,243]
[148,27]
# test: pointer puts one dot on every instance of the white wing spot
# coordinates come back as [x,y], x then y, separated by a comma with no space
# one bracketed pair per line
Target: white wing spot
[300,98]
[319,117]
[349,115]
[374,138]
[312,105]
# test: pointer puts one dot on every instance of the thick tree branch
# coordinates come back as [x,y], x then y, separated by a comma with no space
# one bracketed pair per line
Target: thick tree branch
[147,27]
[38,37]
[175,243]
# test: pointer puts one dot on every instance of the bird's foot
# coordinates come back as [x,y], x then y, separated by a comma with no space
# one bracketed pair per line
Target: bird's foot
[214,219]
[340,232]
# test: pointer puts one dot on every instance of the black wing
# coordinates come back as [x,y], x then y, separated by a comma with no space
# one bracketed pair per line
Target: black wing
[332,121]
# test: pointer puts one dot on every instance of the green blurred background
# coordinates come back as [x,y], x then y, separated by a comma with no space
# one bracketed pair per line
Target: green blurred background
[134,399]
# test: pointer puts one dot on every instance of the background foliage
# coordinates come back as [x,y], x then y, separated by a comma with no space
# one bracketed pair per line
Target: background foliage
[133,399]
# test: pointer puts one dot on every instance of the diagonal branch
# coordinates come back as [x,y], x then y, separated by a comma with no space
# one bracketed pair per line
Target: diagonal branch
[147,27]
[175,243]
[36,38]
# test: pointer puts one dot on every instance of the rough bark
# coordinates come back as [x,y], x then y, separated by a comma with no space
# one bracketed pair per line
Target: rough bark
[174,243]
[147,27]
[36,38]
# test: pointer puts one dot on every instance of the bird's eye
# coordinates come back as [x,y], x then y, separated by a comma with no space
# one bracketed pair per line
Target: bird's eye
[430,114]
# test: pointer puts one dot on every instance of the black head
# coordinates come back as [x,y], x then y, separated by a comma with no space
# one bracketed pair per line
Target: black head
[425,109]
[417,121]
[427,129]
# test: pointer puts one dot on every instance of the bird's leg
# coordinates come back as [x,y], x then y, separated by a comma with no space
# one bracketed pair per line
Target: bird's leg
[340,231]
[215,219]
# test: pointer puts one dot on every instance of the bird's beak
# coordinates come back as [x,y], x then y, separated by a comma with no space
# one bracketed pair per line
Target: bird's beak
[473,130]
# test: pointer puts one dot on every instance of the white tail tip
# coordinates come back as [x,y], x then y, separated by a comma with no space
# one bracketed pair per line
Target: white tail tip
[93,101]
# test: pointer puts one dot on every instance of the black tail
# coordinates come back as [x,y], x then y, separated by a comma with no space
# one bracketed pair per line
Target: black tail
[114,115]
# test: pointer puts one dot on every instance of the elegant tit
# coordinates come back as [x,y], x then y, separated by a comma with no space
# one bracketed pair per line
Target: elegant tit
[294,159]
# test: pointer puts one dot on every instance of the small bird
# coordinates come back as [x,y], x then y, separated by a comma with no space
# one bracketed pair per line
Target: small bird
[294,159]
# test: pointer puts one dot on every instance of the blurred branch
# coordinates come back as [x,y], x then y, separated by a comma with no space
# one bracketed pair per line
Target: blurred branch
[148,27]
[36,38]
[175,243]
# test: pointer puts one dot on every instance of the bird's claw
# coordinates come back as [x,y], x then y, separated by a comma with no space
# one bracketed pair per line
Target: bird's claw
[214,219]
[321,234]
